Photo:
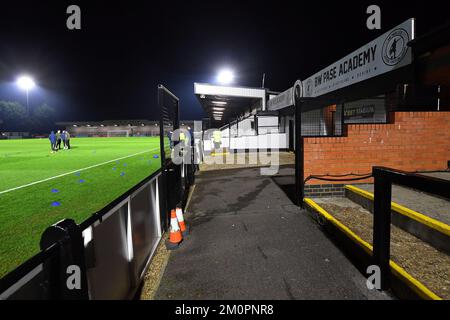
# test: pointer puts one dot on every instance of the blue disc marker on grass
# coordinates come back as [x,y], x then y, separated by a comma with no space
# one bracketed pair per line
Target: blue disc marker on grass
[122,174]
[56,204]
[156,156]
[55,190]
[81,181]
[114,168]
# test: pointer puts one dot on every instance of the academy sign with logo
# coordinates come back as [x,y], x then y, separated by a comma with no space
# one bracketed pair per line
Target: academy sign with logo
[388,52]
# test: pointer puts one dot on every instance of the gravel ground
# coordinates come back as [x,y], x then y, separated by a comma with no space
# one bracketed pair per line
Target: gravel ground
[155,272]
[422,261]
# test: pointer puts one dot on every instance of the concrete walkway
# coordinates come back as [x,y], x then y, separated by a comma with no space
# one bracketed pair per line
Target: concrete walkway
[248,241]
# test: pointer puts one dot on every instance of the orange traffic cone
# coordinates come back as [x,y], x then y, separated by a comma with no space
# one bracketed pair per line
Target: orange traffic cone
[175,236]
[181,222]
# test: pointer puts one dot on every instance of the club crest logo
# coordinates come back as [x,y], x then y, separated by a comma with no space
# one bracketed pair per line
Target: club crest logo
[395,47]
[309,88]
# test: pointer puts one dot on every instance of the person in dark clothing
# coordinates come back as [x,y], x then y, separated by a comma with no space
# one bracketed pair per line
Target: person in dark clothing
[67,141]
[169,135]
[193,150]
[63,138]
[52,138]
[191,133]
[58,140]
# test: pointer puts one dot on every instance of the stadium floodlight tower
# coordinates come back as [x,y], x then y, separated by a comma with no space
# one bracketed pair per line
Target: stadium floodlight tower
[26,83]
[225,76]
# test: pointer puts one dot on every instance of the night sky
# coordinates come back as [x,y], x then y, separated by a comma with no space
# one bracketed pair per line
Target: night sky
[110,68]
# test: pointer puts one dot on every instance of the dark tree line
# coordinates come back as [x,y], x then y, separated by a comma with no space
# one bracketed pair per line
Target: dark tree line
[14,117]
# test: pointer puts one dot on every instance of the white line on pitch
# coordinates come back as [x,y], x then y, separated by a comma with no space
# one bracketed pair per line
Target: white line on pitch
[74,171]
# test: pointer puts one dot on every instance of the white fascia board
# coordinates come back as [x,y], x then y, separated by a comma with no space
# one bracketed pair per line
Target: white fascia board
[212,90]
[283,100]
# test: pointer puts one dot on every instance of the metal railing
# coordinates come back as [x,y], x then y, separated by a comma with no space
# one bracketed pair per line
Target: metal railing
[384,178]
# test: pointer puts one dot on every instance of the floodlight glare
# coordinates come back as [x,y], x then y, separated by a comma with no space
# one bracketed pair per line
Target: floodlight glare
[25,83]
[225,76]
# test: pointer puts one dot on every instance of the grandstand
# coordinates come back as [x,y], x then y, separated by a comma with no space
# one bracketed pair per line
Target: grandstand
[116,128]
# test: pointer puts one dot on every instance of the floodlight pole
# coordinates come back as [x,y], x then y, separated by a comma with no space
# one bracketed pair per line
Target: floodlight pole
[26,83]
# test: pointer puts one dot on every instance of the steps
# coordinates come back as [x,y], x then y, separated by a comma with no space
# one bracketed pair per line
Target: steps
[420,255]
[424,227]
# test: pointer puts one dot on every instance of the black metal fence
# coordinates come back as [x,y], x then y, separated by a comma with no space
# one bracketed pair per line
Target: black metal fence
[384,178]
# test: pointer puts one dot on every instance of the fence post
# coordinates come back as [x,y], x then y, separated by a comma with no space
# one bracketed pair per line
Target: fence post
[382,225]
[299,152]
[67,234]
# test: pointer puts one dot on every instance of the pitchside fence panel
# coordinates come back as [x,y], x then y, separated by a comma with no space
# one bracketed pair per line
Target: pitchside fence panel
[116,245]
[135,222]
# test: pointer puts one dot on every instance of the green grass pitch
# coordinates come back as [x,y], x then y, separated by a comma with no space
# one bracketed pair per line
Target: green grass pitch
[27,211]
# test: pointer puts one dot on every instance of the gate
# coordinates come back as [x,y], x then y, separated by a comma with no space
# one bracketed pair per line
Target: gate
[171,194]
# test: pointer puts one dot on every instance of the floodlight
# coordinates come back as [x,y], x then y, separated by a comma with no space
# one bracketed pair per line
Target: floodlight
[225,76]
[25,83]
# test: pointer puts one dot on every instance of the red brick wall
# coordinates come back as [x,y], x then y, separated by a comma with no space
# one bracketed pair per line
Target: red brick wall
[414,141]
